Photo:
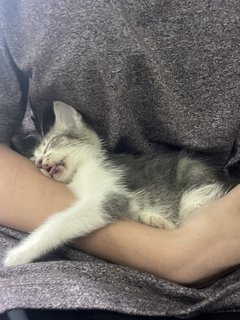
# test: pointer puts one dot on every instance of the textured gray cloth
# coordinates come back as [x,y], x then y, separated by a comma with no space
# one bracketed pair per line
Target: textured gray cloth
[86,282]
[144,74]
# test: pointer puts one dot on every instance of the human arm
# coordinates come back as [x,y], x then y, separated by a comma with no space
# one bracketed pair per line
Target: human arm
[181,255]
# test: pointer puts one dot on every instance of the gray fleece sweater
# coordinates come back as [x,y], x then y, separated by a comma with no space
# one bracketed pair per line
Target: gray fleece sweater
[145,74]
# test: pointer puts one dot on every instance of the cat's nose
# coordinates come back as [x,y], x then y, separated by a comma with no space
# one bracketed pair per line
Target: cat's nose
[38,163]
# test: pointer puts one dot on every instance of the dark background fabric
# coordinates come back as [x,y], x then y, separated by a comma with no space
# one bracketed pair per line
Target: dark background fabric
[31,314]
[144,74]
[70,279]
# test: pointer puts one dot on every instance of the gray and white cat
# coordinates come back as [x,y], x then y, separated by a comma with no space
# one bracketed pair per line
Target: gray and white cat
[158,189]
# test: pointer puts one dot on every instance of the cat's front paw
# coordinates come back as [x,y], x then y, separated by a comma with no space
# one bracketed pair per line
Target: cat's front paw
[16,257]
[155,220]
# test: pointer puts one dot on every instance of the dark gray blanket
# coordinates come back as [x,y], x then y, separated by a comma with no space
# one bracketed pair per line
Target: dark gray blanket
[144,74]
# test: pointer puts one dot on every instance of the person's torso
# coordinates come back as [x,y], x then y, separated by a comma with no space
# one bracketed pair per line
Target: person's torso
[143,73]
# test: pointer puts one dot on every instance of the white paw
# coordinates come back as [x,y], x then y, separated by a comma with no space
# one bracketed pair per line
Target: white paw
[16,257]
[156,220]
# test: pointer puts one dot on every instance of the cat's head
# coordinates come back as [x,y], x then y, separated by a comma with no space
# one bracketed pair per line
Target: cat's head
[67,144]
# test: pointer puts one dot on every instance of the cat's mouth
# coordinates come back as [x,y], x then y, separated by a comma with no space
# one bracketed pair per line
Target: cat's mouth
[51,170]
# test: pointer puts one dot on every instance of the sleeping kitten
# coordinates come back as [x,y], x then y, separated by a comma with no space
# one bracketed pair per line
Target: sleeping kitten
[158,190]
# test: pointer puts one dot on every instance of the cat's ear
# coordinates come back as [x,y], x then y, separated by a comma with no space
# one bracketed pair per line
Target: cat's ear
[66,116]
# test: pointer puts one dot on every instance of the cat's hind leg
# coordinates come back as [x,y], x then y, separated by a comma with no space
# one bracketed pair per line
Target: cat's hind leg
[198,197]
[76,221]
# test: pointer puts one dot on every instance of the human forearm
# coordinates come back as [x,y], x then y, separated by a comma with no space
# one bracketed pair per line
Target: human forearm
[204,248]
[27,196]
[135,245]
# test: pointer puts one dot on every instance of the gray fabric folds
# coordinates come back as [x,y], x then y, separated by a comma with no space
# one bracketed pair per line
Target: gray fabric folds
[144,74]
